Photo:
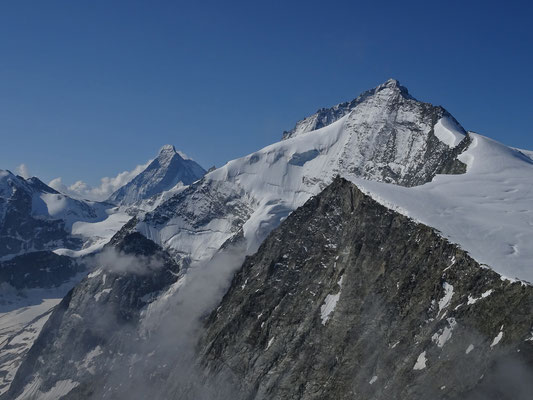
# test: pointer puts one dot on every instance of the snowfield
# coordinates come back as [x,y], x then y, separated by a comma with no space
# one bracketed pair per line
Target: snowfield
[448,132]
[59,206]
[96,234]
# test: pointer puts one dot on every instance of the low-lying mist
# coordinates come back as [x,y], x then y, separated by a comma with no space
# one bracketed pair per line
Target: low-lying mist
[161,360]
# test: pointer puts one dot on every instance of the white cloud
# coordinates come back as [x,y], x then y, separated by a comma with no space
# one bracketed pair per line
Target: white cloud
[23,171]
[118,262]
[82,190]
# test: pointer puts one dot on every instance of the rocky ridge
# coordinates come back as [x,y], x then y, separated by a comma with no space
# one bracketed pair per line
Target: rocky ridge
[348,298]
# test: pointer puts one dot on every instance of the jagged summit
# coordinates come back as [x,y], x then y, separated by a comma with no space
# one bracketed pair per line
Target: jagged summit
[37,184]
[169,151]
[393,84]
[9,181]
[167,148]
[166,154]
[166,171]
[390,91]
[5,173]
[390,83]
[384,135]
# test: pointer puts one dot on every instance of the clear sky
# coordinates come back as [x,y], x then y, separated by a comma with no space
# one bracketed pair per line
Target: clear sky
[92,88]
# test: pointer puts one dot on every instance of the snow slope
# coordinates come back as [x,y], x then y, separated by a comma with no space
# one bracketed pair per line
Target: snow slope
[528,153]
[18,330]
[60,206]
[95,234]
[449,132]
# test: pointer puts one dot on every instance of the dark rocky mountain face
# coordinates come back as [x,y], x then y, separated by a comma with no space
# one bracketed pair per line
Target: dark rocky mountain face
[39,269]
[347,299]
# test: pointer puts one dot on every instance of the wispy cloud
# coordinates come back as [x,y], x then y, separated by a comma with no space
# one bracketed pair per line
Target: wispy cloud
[165,344]
[23,171]
[82,190]
[118,262]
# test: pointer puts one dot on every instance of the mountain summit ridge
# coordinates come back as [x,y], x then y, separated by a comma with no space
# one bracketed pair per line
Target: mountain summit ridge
[387,136]
[169,168]
[327,115]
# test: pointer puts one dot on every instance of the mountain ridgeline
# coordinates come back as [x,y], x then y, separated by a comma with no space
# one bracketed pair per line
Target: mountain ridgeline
[166,171]
[25,221]
[326,116]
[388,136]
[281,275]
[48,239]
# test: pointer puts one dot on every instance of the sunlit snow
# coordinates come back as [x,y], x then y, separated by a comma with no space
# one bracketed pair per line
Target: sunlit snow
[420,361]
[487,211]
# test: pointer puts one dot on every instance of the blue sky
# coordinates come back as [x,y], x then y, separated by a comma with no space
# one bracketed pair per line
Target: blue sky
[92,88]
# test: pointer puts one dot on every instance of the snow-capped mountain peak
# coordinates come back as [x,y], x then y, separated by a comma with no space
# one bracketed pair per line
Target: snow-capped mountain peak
[391,87]
[384,135]
[35,217]
[388,92]
[391,83]
[166,171]
[167,150]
